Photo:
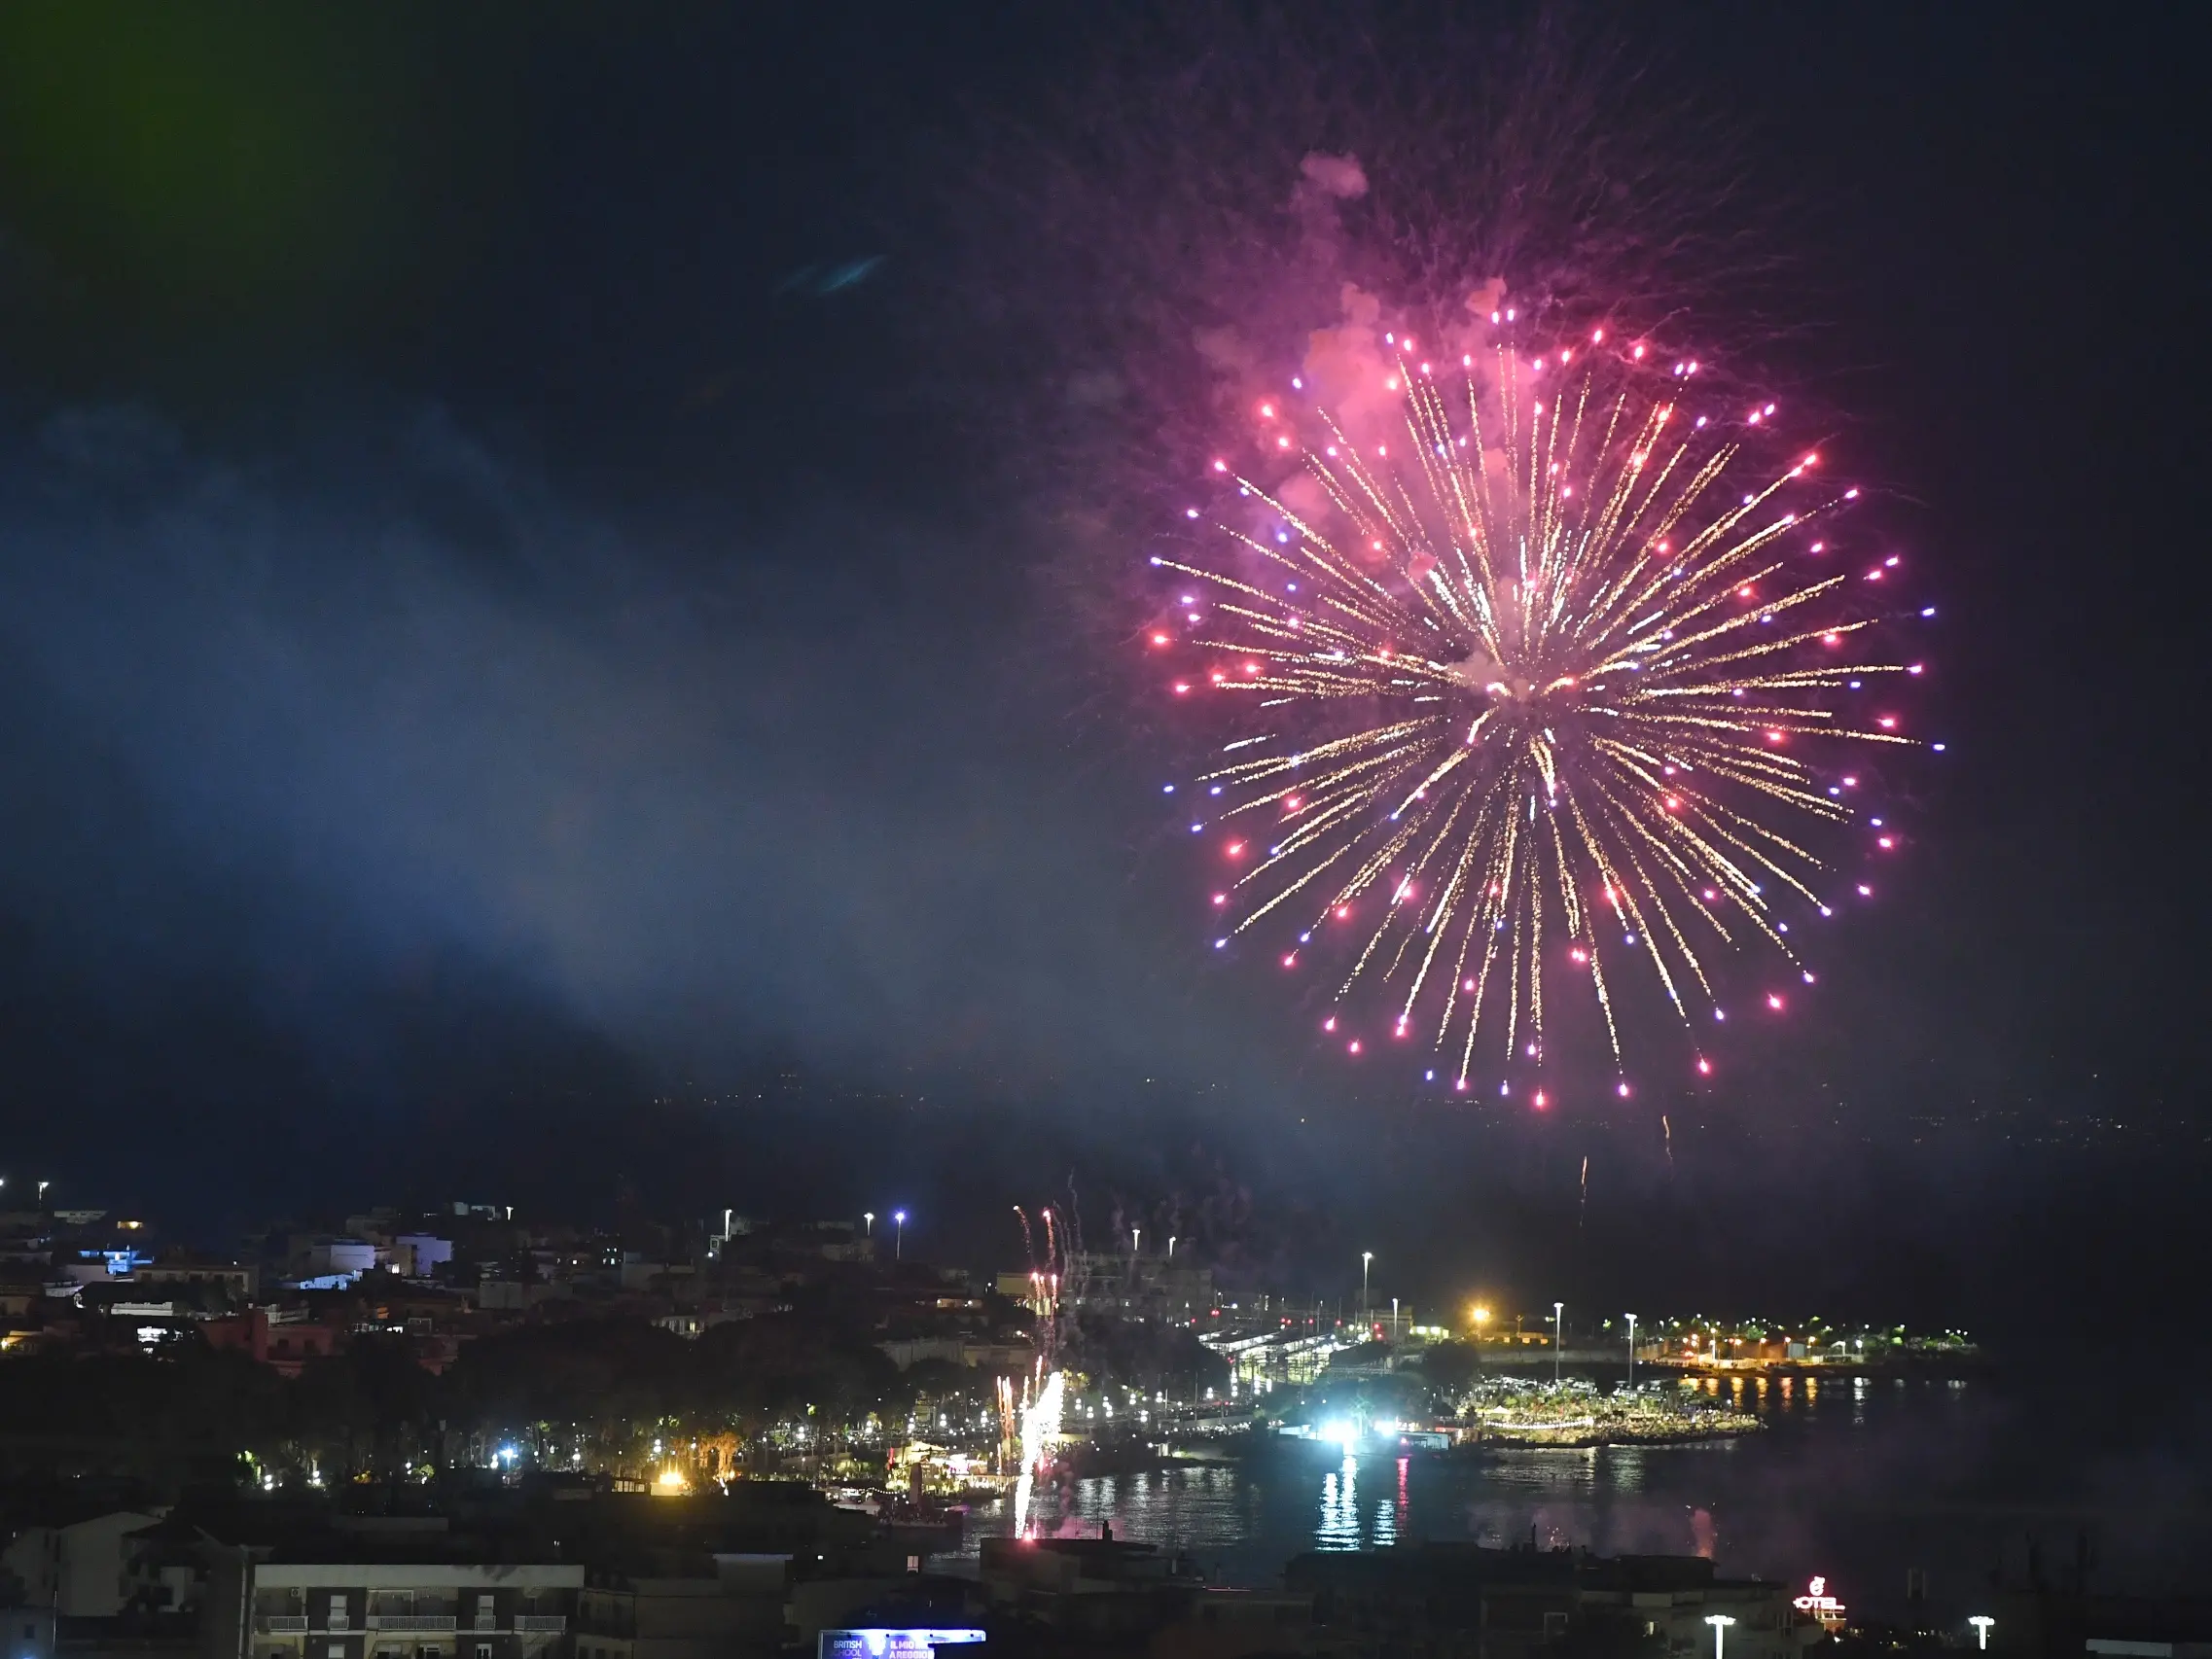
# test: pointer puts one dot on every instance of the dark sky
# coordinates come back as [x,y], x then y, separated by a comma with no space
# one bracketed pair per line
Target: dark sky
[508,617]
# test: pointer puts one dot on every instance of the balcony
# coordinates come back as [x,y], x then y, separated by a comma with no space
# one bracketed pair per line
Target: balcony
[526,1624]
[410,1621]
[282,1624]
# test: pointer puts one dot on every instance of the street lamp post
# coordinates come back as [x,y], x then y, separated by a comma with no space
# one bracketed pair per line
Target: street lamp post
[1367,1257]
[899,1246]
[1631,1349]
[867,1223]
[1982,1623]
[1720,1623]
[1558,1337]
[1136,1241]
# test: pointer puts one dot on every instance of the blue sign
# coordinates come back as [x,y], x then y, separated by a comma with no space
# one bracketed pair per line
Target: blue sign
[913,1644]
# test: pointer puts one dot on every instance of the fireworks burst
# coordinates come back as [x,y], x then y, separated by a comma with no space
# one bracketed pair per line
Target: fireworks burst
[1543,666]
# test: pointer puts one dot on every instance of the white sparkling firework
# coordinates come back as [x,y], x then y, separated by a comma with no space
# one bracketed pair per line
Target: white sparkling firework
[1040,1434]
[1542,667]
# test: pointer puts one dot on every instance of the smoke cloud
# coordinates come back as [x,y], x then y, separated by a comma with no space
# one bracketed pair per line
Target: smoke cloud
[311,724]
[1340,177]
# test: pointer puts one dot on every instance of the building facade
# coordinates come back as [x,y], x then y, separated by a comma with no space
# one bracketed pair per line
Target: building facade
[279,1609]
[736,1609]
[1455,1601]
[75,1568]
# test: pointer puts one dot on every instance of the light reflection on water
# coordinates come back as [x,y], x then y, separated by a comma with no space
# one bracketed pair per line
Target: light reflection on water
[1856,1479]
[1339,1526]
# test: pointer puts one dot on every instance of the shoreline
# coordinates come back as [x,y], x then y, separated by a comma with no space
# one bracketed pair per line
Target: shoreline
[1599,1442]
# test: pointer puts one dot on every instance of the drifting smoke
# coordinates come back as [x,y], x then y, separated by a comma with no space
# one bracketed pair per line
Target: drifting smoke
[1339,177]
[1224,172]
[1222,200]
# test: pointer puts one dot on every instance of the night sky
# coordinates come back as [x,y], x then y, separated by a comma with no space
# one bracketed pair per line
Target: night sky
[566,576]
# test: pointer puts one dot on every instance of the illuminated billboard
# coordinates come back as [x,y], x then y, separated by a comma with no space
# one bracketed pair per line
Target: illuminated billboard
[917,1642]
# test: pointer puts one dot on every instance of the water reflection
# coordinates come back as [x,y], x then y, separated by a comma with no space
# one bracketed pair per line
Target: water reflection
[1339,1526]
[1942,1477]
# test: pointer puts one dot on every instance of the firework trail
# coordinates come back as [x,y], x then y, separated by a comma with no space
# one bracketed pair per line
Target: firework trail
[1040,1433]
[1544,668]
[1037,1419]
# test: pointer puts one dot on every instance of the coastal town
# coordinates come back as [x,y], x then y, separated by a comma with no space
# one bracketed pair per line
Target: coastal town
[470,1432]
[408,1430]
[671,1355]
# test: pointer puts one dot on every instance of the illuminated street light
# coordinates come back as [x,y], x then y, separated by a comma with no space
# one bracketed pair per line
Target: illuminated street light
[1720,1623]
[1982,1623]
[899,1250]
[1631,1349]
[1367,1256]
[1136,1241]
[1558,1337]
[867,1223]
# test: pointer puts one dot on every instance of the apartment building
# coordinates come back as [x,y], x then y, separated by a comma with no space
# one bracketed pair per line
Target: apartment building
[387,1609]
[724,1606]
[71,1560]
